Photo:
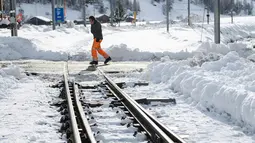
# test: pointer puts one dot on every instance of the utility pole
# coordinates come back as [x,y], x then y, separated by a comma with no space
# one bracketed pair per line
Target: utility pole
[2,9]
[217,21]
[111,7]
[208,15]
[167,15]
[84,13]
[53,14]
[135,11]
[232,7]
[189,13]
[13,21]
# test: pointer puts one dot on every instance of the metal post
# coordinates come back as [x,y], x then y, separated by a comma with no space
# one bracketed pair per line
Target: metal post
[167,15]
[208,15]
[13,21]
[84,13]
[53,14]
[111,7]
[189,13]
[217,21]
[2,9]
[232,7]
[135,12]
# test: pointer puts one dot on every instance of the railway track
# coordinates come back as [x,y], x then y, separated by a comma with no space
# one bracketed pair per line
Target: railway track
[104,113]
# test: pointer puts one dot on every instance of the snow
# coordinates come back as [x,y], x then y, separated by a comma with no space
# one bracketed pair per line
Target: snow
[155,11]
[110,126]
[26,115]
[149,42]
[37,9]
[93,9]
[225,84]
[150,12]
[40,42]
[43,18]
[5,21]
[191,122]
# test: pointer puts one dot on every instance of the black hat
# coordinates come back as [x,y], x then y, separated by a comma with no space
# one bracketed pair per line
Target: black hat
[92,18]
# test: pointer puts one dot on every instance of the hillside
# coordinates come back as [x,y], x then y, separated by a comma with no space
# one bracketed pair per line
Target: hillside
[148,11]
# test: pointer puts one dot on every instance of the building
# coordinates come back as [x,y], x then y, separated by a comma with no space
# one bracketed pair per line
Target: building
[39,20]
[103,18]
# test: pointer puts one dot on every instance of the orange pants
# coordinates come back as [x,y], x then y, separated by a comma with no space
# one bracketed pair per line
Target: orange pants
[96,47]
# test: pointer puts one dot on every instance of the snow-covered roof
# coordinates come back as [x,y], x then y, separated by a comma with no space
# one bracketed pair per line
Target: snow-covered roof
[99,15]
[4,21]
[132,17]
[43,18]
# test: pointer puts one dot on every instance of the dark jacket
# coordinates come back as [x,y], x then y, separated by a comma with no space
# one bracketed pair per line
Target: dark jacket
[96,30]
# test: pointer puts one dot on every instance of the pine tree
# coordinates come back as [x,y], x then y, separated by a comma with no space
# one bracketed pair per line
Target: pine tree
[138,6]
[101,9]
[170,6]
[119,11]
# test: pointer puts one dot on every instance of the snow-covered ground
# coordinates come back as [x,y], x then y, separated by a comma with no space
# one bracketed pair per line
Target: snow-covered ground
[25,110]
[192,122]
[144,42]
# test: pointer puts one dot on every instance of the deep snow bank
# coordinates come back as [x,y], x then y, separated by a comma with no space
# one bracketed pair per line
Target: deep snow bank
[9,78]
[224,82]
[13,48]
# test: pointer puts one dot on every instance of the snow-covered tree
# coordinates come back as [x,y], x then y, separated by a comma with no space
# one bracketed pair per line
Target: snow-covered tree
[170,6]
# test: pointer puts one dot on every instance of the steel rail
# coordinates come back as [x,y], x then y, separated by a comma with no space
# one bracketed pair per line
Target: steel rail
[156,134]
[84,122]
[74,126]
[172,135]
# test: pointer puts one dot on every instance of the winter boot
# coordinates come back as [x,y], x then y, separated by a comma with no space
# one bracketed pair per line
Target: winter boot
[107,60]
[94,63]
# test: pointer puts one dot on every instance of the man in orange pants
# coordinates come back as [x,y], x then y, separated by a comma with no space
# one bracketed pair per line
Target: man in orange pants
[96,30]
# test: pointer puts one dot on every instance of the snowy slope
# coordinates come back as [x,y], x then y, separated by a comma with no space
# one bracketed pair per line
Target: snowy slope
[180,11]
[93,10]
[38,9]
[45,10]
[150,12]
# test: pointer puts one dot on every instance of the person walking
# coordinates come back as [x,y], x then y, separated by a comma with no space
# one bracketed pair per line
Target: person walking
[96,30]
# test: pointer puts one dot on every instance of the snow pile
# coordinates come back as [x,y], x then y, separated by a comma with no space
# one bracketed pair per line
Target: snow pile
[9,78]
[208,50]
[12,70]
[209,47]
[225,85]
[124,53]
[19,48]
